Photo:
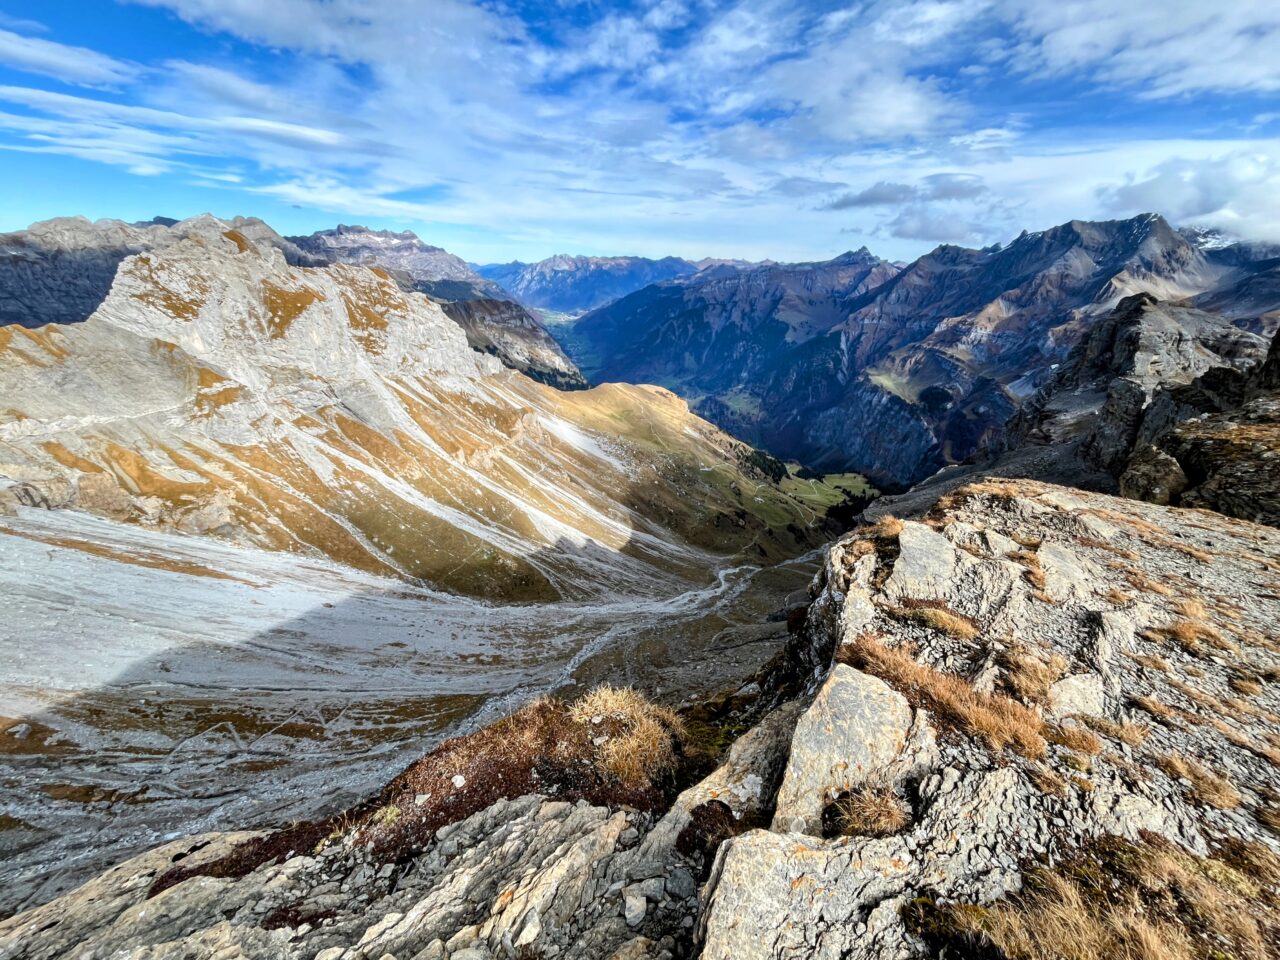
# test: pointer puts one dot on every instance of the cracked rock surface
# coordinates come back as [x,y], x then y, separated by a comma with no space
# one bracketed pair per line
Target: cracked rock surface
[1105,667]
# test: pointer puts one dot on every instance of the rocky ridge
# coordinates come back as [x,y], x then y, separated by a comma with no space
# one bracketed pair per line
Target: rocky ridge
[219,390]
[493,322]
[1023,672]
[59,271]
[1177,405]
[904,371]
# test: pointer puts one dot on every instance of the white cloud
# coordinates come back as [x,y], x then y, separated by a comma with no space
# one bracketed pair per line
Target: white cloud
[69,64]
[1239,191]
[683,126]
[1164,50]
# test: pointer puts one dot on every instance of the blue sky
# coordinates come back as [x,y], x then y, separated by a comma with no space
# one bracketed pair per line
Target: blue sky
[503,129]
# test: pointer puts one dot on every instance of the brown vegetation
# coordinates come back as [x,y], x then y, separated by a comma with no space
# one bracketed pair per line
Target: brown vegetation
[1029,676]
[936,615]
[1000,721]
[1144,901]
[1074,738]
[1207,787]
[1032,571]
[1247,686]
[1195,636]
[612,748]
[870,811]
[1133,734]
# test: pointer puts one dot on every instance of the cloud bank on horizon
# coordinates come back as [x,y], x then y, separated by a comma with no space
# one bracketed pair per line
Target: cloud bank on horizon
[519,128]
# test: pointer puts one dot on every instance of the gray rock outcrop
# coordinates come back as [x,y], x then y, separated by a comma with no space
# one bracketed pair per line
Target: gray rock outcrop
[1081,666]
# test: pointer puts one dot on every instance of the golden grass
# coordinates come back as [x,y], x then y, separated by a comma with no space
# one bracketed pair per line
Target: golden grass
[1117,901]
[1247,686]
[887,527]
[1055,921]
[1154,707]
[1096,544]
[871,812]
[1195,636]
[1029,676]
[1144,584]
[1032,571]
[643,736]
[1268,814]
[1133,734]
[1207,787]
[936,616]
[1048,781]
[998,720]
[1151,661]
[1074,738]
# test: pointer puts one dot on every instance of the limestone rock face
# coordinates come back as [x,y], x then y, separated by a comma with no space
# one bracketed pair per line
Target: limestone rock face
[1177,404]
[1154,476]
[1096,580]
[493,322]
[218,389]
[855,728]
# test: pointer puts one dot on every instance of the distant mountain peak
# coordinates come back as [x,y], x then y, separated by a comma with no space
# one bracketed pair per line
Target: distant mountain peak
[572,283]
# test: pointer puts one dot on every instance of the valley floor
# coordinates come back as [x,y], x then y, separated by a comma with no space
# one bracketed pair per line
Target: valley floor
[155,686]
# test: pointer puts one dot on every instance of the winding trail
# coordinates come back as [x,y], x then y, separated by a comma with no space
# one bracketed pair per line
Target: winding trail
[154,685]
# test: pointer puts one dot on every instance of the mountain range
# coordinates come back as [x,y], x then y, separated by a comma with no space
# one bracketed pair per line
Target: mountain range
[218,389]
[289,527]
[892,371]
[568,284]
[58,271]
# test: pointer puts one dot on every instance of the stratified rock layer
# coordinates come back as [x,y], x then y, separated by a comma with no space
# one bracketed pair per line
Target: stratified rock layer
[218,390]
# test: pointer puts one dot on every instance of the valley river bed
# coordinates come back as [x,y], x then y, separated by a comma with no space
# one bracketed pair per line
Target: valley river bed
[154,685]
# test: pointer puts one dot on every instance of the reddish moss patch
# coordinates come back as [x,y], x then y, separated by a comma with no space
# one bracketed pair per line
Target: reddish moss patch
[541,749]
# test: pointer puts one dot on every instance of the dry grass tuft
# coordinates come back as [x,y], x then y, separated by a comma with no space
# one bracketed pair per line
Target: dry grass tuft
[887,527]
[642,736]
[1151,661]
[871,812]
[1207,787]
[1133,734]
[1074,738]
[1029,676]
[1117,597]
[1115,899]
[1268,814]
[1195,636]
[1144,584]
[1032,571]
[1048,782]
[1151,705]
[1096,544]
[1000,721]
[936,616]
[1246,686]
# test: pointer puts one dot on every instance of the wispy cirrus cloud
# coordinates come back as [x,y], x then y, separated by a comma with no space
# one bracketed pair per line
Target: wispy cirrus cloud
[749,127]
[76,65]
